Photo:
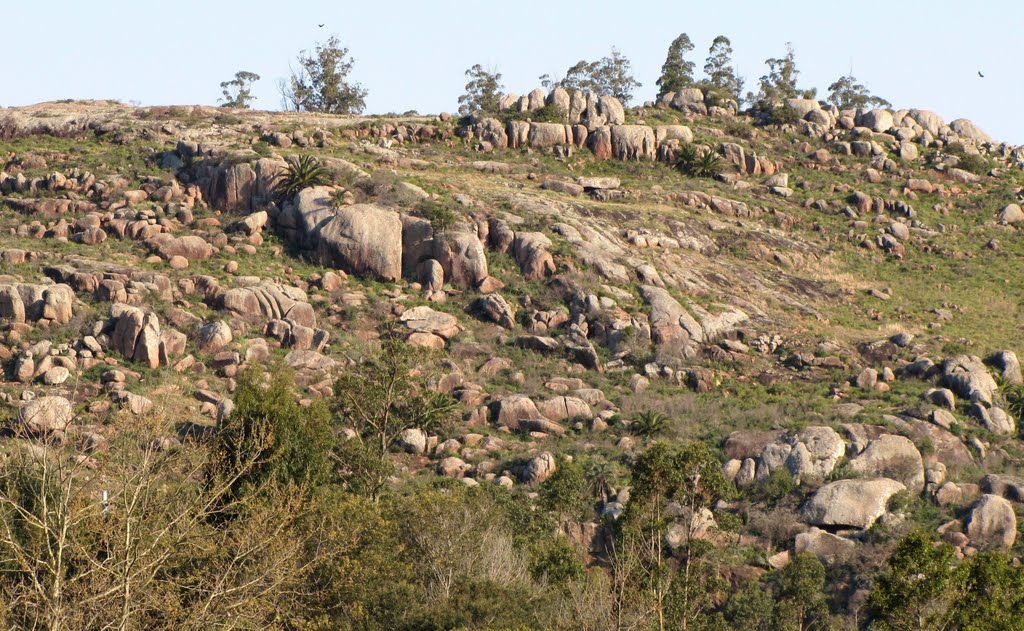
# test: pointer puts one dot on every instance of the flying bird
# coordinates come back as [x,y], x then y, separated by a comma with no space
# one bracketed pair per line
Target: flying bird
[981,75]
[320,25]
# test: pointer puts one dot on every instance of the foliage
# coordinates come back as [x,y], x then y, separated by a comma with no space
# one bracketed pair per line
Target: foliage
[483,91]
[847,94]
[439,214]
[917,591]
[382,397]
[550,113]
[649,423]
[751,607]
[238,91]
[696,162]
[565,492]
[676,72]
[780,83]
[721,77]
[321,82]
[800,594]
[611,75]
[970,162]
[290,443]
[304,172]
[993,594]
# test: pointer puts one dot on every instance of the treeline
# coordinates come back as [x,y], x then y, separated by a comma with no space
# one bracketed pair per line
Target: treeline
[321,81]
[292,517]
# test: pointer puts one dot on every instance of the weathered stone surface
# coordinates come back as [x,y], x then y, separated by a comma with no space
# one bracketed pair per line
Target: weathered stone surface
[496,309]
[46,414]
[213,337]
[562,408]
[853,503]
[530,250]
[509,411]
[829,548]
[969,378]
[992,523]
[462,256]
[363,239]
[633,142]
[539,468]
[894,457]
[425,319]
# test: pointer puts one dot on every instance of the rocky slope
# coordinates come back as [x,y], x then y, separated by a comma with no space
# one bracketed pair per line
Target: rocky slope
[842,303]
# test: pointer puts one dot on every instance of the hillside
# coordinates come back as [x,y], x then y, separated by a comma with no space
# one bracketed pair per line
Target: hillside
[835,314]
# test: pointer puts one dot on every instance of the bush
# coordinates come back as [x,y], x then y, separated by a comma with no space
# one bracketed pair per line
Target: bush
[547,114]
[301,174]
[321,83]
[970,162]
[287,443]
[696,162]
[439,214]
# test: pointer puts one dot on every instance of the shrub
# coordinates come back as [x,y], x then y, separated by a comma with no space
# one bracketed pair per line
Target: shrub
[439,214]
[301,174]
[696,162]
[649,423]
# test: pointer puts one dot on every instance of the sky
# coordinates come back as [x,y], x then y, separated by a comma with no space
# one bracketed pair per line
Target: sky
[413,55]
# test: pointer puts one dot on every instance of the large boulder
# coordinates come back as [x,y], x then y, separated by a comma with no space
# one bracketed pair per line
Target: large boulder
[188,247]
[967,129]
[671,325]
[496,309]
[510,411]
[46,415]
[425,320]
[1008,365]
[809,455]
[992,523]
[539,468]
[363,239]
[530,250]
[213,337]
[855,503]
[633,142]
[549,135]
[969,378]
[829,548]
[878,120]
[462,257]
[562,408]
[894,457]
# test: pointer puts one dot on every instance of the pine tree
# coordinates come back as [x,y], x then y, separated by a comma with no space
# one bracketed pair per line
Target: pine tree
[676,72]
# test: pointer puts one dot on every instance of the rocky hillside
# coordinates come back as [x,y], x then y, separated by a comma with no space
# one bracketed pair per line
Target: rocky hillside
[835,312]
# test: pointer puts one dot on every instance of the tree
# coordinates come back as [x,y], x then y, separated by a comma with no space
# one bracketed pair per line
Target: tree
[800,599]
[124,539]
[721,78]
[780,82]
[483,92]
[565,492]
[321,82]
[846,94]
[919,588]
[380,398]
[238,92]
[993,595]
[690,476]
[610,75]
[290,444]
[676,72]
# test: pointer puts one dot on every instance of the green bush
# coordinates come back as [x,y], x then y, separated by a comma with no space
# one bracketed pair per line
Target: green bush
[696,162]
[301,174]
[440,214]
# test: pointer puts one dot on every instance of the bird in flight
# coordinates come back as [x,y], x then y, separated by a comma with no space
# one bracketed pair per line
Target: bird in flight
[981,75]
[320,25]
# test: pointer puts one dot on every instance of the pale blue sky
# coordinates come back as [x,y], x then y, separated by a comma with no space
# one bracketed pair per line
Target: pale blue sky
[412,55]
